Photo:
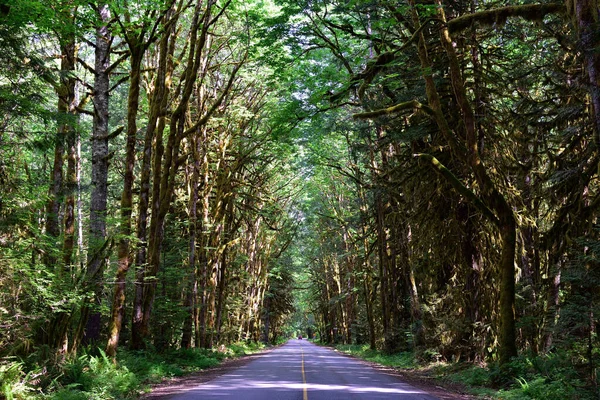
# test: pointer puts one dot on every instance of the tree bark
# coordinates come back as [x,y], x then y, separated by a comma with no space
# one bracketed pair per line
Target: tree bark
[123,254]
[503,216]
[587,15]
[165,169]
[59,190]
[158,102]
[191,290]
[90,324]
[68,109]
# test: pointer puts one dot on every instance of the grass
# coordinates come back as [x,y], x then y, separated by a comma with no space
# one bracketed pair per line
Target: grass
[399,360]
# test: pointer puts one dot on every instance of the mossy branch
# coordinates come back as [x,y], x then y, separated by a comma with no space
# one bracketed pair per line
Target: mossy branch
[408,105]
[498,16]
[458,185]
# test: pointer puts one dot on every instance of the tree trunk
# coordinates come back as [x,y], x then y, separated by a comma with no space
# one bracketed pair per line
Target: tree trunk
[68,89]
[165,169]
[587,14]
[383,266]
[191,290]
[155,127]
[66,134]
[495,200]
[124,258]
[507,334]
[221,292]
[552,311]
[504,218]
[90,323]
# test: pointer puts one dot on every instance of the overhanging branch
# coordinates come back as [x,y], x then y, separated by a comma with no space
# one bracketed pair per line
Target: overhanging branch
[498,16]
[408,105]
[459,186]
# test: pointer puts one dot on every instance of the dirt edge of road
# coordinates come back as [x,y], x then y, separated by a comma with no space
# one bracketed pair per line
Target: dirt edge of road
[441,390]
[178,385]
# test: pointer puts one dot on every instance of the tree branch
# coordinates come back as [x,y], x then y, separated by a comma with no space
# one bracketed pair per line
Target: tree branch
[84,111]
[118,83]
[498,16]
[408,105]
[219,100]
[86,65]
[117,62]
[459,186]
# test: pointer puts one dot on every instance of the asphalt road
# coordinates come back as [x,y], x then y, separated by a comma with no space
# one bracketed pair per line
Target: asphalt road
[300,370]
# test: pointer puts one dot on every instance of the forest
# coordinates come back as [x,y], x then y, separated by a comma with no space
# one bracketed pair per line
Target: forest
[416,177]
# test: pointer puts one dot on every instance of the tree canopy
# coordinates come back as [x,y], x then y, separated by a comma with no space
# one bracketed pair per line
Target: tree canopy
[417,176]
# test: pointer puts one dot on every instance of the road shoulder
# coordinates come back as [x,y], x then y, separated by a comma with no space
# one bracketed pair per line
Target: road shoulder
[178,385]
[443,391]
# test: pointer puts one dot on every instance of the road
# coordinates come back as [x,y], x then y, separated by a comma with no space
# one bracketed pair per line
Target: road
[300,370]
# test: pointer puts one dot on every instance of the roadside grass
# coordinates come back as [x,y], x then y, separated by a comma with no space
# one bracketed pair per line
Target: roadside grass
[93,376]
[527,377]
[398,360]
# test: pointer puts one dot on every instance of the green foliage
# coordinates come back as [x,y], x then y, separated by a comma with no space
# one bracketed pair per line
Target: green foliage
[151,367]
[537,377]
[472,375]
[404,360]
[310,66]
[94,377]
[550,376]
[97,377]
[14,383]
[242,348]
[540,388]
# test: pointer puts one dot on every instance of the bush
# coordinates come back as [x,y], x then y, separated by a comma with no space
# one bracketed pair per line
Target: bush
[541,389]
[94,378]
[152,367]
[13,381]
[472,376]
[398,360]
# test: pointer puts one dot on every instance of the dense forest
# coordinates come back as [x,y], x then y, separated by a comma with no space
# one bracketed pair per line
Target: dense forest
[415,176]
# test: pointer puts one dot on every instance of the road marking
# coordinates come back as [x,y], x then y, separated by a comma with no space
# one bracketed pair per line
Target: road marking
[305,390]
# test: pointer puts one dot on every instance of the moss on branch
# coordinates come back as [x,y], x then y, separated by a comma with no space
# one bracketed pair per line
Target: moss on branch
[408,105]
[458,185]
[498,16]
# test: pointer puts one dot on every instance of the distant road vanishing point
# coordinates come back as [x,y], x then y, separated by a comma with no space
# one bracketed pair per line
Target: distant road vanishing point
[300,370]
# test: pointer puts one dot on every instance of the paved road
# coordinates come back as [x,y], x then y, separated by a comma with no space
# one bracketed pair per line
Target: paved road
[300,370]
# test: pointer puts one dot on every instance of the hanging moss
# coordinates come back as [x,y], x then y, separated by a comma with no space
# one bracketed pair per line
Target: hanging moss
[371,71]
[458,185]
[591,5]
[498,16]
[408,105]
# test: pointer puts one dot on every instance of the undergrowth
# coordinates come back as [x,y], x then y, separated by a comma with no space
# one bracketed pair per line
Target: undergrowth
[94,376]
[398,360]
[548,377]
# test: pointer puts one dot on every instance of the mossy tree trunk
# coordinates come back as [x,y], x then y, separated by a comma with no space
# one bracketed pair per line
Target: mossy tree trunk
[90,323]
[152,148]
[66,140]
[137,49]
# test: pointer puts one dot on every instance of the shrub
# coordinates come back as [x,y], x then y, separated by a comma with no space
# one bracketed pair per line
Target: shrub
[541,389]
[472,376]
[13,381]
[94,377]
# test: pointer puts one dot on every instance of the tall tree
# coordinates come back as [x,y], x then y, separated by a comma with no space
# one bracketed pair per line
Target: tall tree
[90,320]
[138,35]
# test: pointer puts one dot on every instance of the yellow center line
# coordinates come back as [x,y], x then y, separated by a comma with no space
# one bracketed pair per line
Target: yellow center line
[305,390]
